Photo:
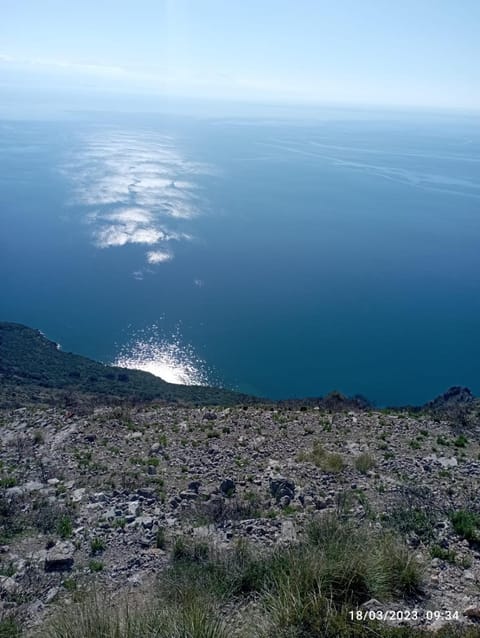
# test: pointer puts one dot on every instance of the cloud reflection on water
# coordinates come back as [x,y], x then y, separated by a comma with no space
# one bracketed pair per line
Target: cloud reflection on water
[140,190]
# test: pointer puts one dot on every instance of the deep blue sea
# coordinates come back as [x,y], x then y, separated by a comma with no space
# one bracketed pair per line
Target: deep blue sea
[278,257]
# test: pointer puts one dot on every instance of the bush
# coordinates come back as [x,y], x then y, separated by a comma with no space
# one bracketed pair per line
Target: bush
[356,563]
[11,517]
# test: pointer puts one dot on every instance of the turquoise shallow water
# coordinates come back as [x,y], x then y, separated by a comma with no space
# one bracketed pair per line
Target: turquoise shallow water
[277,257]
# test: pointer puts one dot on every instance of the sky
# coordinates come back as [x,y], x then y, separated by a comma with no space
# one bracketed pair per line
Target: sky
[412,53]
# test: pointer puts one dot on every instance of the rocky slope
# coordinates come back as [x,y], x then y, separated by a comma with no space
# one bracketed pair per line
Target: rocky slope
[101,496]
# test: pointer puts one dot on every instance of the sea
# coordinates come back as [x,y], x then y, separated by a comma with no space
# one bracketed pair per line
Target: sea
[279,256]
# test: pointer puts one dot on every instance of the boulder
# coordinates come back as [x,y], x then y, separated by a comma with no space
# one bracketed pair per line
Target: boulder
[227,487]
[472,612]
[280,487]
[59,557]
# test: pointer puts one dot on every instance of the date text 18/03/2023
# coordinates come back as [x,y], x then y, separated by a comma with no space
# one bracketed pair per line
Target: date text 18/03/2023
[404,614]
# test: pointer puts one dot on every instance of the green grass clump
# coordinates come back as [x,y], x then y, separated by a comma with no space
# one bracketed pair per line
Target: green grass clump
[95,566]
[460,441]
[346,564]
[97,545]
[65,527]
[9,628]
[326,461]
[8,481]
[418,520]
[187,550]
[97,616]
[466,524]
[364,462]
[444,554]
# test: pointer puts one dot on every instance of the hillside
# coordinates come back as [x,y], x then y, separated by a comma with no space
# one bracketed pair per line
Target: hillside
[34,369]
[150,500]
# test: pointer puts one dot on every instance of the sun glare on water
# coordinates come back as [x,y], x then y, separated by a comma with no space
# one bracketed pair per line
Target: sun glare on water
[167,359]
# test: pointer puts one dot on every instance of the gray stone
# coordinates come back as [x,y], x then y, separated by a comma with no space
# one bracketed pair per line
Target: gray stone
[145,542]
[145,521]
[33,486]
[188,496]
[209,416]
[288,533]
[78,494]
[59,557]
[194,486]
[13,492]
[472,612]
[146,492]
[227,487]
[51,594]
[7,585]
[110,514]
[134,508]
[448,462]
[281,486]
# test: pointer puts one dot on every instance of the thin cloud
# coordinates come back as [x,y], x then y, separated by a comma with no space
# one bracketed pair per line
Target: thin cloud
[158,256]
[64,64]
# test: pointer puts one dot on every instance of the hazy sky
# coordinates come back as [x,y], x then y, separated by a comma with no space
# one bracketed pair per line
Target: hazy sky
[379,52]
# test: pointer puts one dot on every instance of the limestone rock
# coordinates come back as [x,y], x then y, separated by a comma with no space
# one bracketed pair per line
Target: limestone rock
[59,557]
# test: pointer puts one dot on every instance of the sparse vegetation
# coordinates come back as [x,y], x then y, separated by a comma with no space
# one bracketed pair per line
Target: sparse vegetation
[364,463]
[160,538]
[65,527]
[302,587]
[9,628]
[97,545]
[95,566]
[460,441]
[466,524]
[326,461]
[444,554]
[417,520]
